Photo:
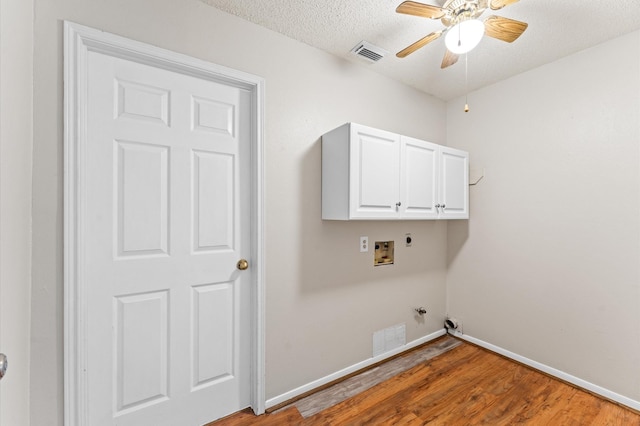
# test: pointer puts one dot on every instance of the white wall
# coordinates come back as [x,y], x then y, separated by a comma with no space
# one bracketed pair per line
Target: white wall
[324,299]
[16,112]
[548,265]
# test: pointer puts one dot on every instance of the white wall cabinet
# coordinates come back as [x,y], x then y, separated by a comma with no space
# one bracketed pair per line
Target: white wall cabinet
[372,174]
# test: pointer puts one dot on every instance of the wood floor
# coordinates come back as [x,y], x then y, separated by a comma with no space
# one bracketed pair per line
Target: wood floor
[465,386]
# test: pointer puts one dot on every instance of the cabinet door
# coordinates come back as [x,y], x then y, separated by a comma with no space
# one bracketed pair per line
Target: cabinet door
[374,174]
[454,184]
[418,179]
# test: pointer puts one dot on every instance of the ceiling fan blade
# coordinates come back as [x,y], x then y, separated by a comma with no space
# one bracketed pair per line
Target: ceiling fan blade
[504,29]
[449,59]
[418,44]
[419,9]
[499,4]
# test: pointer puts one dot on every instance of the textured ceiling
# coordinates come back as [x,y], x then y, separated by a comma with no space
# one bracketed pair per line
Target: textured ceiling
[557,28]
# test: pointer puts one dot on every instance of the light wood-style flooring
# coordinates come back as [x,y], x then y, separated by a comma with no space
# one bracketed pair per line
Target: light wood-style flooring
[465,385]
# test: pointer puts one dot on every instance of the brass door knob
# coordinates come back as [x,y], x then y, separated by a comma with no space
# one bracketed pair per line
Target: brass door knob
[3,365]
[242,264]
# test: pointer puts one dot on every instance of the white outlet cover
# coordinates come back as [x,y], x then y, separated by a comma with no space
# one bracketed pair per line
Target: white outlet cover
[364,244]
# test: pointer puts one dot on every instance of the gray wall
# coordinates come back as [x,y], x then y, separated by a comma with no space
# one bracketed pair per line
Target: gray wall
[324,299]
[548,265]
[552,244]
[16,112]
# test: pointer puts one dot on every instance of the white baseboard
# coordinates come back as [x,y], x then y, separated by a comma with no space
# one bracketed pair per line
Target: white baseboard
[598,390]
[351,369]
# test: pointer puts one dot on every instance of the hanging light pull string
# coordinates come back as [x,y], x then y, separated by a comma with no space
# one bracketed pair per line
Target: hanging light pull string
[466,82]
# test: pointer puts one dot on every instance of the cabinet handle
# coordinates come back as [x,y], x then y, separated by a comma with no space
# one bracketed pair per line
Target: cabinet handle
[437,206]
[443,206]
[398,204]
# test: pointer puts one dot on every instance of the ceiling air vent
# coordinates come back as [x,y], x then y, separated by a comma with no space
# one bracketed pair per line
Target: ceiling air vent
[368,51]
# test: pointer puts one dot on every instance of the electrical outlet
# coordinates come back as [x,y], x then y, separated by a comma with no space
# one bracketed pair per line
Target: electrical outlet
[364,244]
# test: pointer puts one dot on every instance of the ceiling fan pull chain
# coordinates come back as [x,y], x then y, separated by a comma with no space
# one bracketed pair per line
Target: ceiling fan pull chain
[466,82]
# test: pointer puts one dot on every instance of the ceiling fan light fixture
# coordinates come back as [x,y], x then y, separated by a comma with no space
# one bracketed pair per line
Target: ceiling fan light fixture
[464,36]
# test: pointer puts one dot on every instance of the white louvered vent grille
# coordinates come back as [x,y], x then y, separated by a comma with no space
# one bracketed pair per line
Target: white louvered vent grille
[368,51]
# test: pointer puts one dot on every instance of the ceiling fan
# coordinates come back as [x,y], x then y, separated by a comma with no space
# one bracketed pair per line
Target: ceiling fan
[463,28]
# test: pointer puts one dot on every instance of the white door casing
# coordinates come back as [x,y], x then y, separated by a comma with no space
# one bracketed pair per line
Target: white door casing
[144,249]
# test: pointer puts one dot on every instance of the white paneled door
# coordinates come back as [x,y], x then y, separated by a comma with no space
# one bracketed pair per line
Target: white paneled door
[165,219]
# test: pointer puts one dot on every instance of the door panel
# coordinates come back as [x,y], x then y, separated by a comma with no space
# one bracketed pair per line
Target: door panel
[213,178]
[375,179]
[454,176]
[166,220]
[139,101]
[142,198]
[141,324]
[419,169]
[213,330]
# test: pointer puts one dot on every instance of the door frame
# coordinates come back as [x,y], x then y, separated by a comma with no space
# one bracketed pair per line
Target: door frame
[79,40]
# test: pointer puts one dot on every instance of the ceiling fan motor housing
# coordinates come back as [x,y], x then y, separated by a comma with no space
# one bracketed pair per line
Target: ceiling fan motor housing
[462,10]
